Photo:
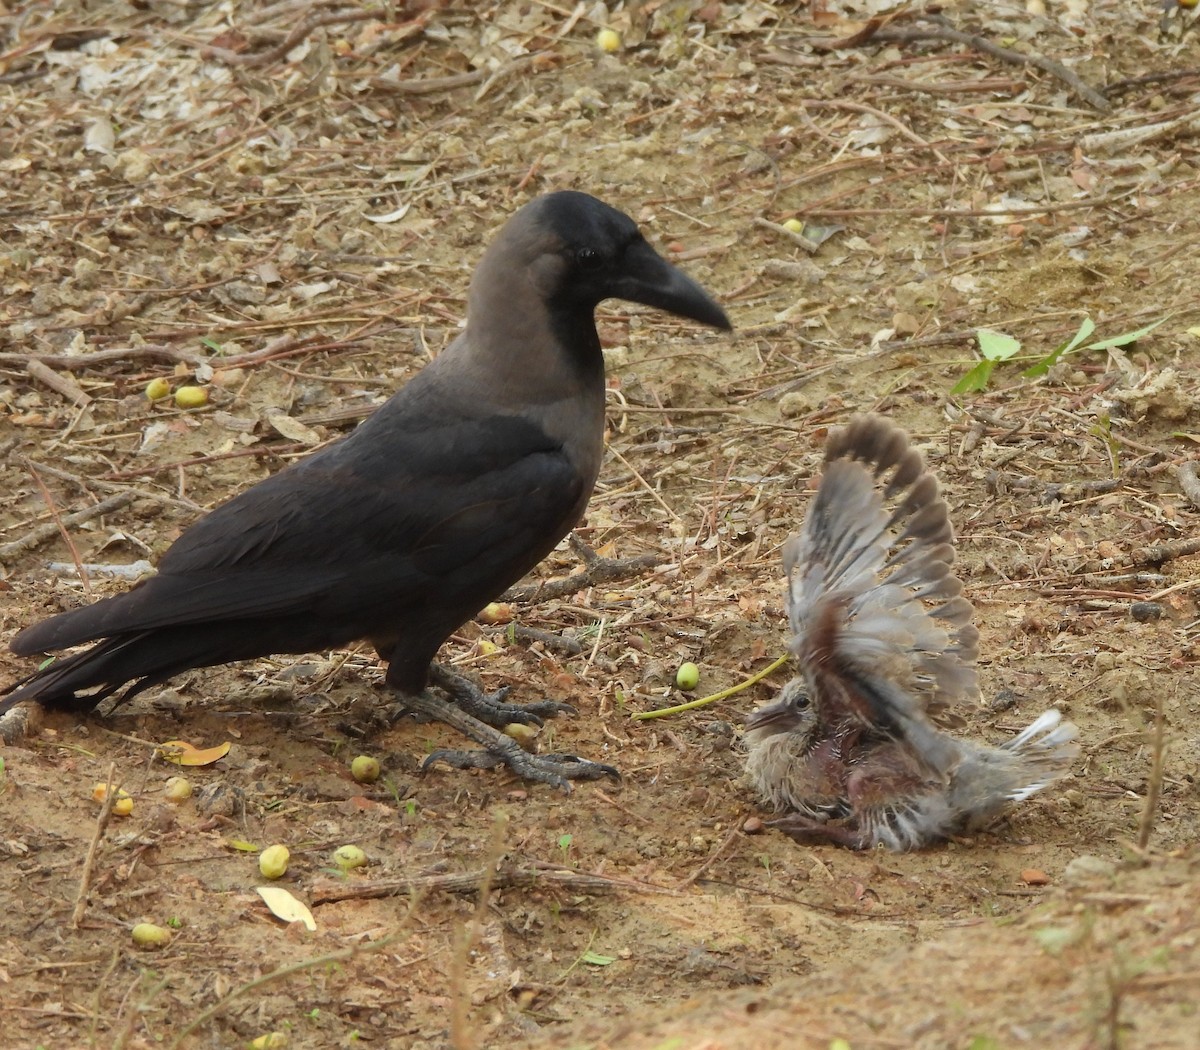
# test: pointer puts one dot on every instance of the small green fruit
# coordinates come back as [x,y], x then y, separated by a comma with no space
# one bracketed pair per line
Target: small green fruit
[365,769]
[191,397]
[147,935]
[688,676]
[157,389]
[349,857]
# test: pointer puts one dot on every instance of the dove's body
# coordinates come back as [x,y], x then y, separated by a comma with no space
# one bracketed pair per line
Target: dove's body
[852,752]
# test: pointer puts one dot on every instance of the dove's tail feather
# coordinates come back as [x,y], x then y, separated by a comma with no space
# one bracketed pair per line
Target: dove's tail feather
[1041,753]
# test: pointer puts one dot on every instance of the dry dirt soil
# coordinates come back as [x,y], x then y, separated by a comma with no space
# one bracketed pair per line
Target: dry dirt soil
[282,204]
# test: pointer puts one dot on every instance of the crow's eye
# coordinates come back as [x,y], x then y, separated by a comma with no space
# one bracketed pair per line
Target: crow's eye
[588,258]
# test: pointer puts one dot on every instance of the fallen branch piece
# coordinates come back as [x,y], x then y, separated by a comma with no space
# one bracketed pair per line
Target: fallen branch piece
[505,877]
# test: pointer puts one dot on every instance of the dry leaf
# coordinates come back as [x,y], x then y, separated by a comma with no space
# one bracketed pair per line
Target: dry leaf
[293,429]
[99,137]
[184,754]
[391,216]
[286,907]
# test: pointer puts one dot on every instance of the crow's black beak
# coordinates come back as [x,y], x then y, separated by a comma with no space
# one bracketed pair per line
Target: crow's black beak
[649,279]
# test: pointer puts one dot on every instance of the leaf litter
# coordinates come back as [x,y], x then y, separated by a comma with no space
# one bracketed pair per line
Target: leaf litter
[280,204]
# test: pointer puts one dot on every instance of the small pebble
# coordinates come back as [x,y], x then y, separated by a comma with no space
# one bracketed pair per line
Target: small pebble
[1035,877]
[752,825]
[1145,612]
[1088,869]
[1003,700]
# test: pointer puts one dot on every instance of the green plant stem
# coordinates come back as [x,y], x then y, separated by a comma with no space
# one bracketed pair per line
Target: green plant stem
[691,705]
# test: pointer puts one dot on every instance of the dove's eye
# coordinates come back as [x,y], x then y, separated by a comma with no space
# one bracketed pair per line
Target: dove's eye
[797,699]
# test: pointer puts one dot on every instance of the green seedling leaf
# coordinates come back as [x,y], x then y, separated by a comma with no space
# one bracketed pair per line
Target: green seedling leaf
[1086,328]
[996,346]
[1124,339]
[974,380]
[596,959]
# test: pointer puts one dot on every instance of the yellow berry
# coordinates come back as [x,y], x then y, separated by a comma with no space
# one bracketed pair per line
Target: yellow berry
[147,935]
[177,789]
[348,857]
[270,1041]
[794,225]
[688,676]
[608,41]
[157,389]
[496,612]
[191,397]
[122,805]
[365,769]
[523,734]
[273,862]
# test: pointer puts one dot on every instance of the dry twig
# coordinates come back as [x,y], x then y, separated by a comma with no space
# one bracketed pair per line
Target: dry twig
[1164,552]
[1155,780]
[37,536]
[1189,482]
[111,787]
[505,877]
[979,43]
[296,36]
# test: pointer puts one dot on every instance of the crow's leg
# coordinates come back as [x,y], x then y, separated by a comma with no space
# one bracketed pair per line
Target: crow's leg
[557,770]
[491,708]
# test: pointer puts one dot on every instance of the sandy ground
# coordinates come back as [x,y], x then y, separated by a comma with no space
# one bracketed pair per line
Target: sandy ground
[191,194]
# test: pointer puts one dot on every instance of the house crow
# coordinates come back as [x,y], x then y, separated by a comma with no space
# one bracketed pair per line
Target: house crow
[449,493]
[855,750]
